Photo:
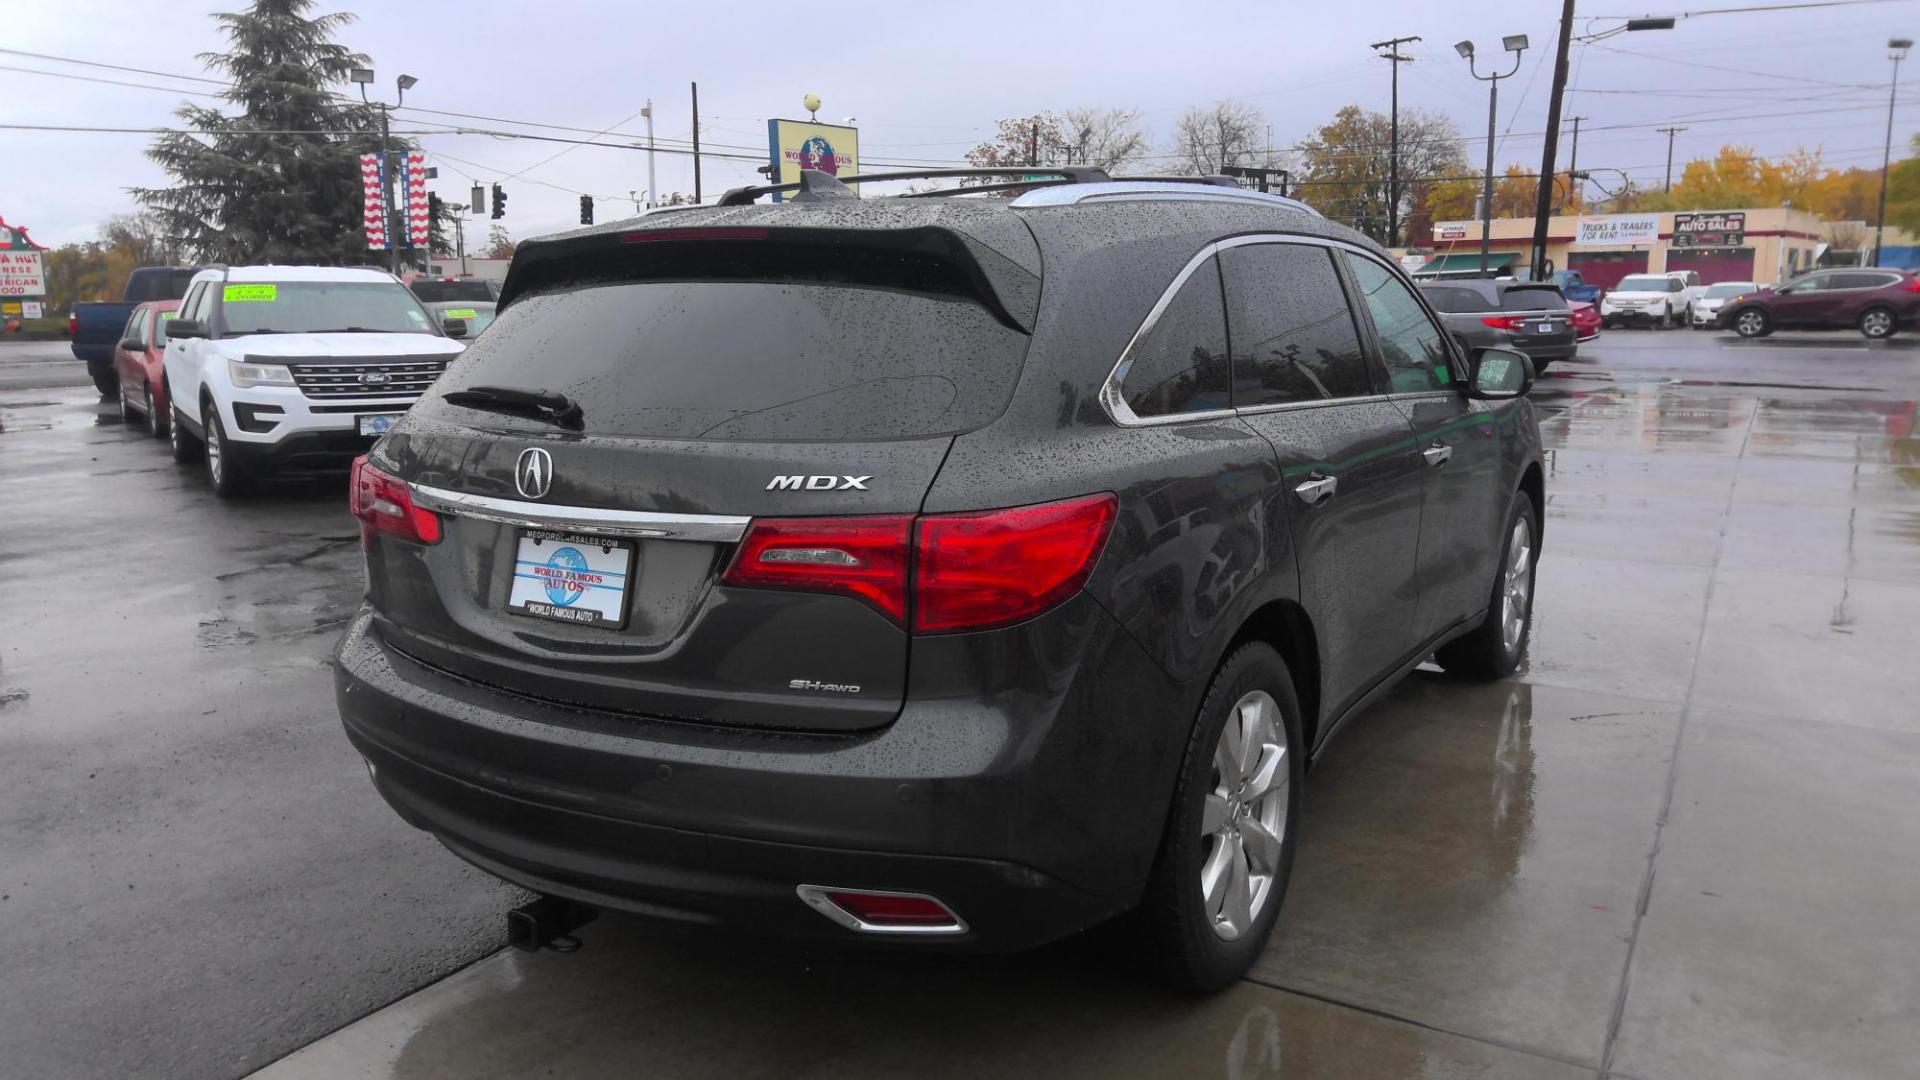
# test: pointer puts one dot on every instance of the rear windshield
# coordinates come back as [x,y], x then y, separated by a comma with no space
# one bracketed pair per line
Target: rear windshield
[147,285]
[743,360]
[1642,283]
[434,292]
[313,307]
[1454,299]
[1727,291]
[1533,298]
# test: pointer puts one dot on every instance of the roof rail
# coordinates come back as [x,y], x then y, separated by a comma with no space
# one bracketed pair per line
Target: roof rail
[1184,189]
[1068,174]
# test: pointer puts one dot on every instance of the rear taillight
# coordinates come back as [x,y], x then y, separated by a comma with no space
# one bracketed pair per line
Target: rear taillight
[1912,285]
[974,571]
[938,573]
[385,505]
[1504,322]
[73,325]
[861,557]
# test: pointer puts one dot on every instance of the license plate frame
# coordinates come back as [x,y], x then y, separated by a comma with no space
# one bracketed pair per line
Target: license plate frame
[551,585]
[376,424]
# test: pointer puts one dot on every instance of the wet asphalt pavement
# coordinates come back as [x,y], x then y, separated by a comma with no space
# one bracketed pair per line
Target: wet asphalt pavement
[1680,844]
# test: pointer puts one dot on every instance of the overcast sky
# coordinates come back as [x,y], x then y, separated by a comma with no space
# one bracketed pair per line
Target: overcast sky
[927,81]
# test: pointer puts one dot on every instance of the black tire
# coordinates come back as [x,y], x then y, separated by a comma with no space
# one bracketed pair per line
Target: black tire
[129,416]
[1174,913]
[105,379]
[1751,323]
[185,447]
[155,421]
[1485,652]
[227,476]
[1879,323]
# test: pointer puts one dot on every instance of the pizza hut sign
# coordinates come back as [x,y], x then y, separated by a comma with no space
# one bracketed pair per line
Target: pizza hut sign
[1709,230]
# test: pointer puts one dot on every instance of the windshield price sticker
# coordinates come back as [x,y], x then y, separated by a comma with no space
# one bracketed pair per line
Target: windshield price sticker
[238,294]
[463,313]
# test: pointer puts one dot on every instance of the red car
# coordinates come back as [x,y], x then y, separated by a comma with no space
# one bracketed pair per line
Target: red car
[1877,300]
[1586,320]
[137,358]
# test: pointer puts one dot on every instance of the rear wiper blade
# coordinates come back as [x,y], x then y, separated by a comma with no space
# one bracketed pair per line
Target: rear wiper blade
[548,405]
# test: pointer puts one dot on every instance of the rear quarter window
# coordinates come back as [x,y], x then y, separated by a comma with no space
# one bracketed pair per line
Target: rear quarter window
[746,360]
[1181,365]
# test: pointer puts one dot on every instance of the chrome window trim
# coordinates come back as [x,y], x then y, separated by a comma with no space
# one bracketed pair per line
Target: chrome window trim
[646,524]
[1115,404]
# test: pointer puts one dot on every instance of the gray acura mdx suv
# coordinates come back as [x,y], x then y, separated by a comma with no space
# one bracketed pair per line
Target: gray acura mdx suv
[960,570]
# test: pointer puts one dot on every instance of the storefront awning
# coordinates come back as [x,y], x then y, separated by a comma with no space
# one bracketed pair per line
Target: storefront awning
[1466,264]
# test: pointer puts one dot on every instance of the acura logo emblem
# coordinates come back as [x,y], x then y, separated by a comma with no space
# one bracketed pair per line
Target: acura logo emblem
[533,473]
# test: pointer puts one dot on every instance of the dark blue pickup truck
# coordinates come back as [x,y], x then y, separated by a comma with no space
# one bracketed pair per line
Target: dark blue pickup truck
[95,326]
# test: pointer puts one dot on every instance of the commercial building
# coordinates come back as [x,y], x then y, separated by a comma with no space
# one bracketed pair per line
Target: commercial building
[1763,244]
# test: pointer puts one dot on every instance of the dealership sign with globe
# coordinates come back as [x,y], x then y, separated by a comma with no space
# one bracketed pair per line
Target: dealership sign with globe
[793,145]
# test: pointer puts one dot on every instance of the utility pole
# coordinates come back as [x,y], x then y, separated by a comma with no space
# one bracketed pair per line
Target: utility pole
[1573,159]
[1033,143]
[460,233]
[1896,52]
[1394,60]
[1670,132]
[652,187]
[696,143]
[1543,202]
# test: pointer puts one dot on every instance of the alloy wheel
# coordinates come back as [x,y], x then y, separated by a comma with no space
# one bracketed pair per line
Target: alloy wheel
[1876,324]
[1243,821]
[1517,585]
[1750,323]
[216,449]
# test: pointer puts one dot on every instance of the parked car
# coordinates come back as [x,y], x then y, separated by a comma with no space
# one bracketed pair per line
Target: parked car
[1878,301]
[95,325]
[1529,316]
[1706,310]
[138,365]
[294,368]
[1693,289]
[1574,286]
[1586,321]
[930,570]
[1656,300]
[441,290]
[476,314]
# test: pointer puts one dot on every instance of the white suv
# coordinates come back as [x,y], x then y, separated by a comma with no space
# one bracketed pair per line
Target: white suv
[1659,299]
[295,368]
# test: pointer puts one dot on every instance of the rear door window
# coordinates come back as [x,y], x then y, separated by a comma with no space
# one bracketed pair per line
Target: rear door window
[1181,365]
[748,360]
[1293,334]
[1413,348]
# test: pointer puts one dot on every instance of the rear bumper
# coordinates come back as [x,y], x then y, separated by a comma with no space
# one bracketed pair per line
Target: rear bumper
[962,801]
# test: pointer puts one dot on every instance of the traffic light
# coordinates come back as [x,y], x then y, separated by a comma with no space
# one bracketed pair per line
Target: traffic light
[499,202]
[586,209]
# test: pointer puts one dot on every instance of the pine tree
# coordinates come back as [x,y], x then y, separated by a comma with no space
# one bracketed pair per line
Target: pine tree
[279,181]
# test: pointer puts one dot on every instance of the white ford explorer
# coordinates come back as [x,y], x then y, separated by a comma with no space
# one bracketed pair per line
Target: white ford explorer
[295,368]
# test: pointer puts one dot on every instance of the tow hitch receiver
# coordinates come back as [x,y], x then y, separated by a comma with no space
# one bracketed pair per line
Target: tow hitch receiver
[548,923]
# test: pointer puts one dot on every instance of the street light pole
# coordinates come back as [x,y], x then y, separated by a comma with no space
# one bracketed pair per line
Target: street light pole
[1515,44]
[652,187]
[1896,52]
[363,76]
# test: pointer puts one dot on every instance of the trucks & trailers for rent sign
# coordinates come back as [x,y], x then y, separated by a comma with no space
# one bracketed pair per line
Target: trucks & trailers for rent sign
[21,274]
[1618,229]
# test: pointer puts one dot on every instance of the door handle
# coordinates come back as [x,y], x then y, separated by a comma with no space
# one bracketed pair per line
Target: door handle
[1437,454]
[1317,489]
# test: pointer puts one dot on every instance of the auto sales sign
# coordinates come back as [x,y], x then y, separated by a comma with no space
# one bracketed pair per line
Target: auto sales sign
[21,274]
[1727,229]
[1618,229]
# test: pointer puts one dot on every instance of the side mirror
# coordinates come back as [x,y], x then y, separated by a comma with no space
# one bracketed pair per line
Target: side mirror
[185,328]
[455,328]
[1499,374]
[133,344]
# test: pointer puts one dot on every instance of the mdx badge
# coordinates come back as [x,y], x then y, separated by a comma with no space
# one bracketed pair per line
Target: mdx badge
[819,483]
[533,472]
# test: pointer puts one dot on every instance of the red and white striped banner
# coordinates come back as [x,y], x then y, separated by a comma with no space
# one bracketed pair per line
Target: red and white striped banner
[371,168]
[419,216]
